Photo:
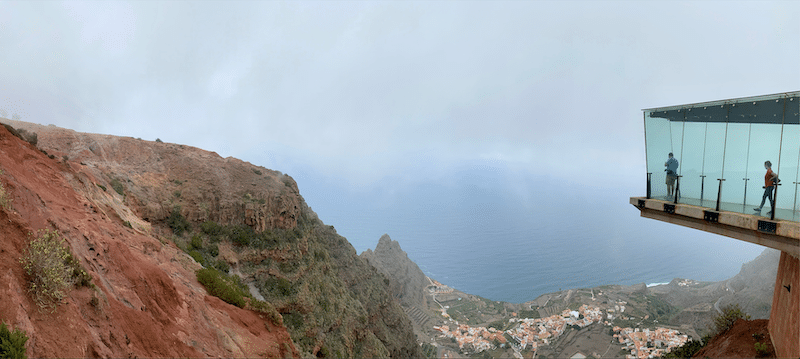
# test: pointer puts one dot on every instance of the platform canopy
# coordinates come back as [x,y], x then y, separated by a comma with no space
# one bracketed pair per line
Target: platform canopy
[783,108]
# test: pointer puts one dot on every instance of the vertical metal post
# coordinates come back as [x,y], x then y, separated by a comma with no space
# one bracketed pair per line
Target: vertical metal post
[649,175]
[774,199]
[702,185]
[719,191]
[677,188]
[744,201]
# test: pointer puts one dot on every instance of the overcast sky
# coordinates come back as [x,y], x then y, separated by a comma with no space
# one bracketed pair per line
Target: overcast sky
[364,90]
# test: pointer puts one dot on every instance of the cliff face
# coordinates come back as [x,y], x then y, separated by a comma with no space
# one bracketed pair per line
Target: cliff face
[114,199]
[753,286]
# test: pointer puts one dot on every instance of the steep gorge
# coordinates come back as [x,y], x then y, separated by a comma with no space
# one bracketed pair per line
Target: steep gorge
[114,200]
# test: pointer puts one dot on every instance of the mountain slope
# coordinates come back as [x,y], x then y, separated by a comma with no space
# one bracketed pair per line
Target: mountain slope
[146,302]
[228,214]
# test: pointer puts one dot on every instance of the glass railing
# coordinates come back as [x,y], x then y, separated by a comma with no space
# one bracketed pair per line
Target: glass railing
[721,148]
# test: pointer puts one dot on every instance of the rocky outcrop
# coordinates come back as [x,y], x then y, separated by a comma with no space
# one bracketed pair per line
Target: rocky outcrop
[406,280]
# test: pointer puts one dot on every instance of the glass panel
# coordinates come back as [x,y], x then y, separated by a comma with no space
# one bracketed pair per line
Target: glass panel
[764,146]
[659,144]
[735,165]
[713,157]
[788,173]
[691,163]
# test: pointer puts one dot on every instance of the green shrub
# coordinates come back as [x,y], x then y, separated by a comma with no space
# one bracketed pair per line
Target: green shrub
[211,228]
[12,343]
[687,350]
[102,187]
[197,256]
[279,287]
[178,222]
[222,286]
[241,234]
[730,314]
[762,350]
[213,249]
[5,198]
[117,186]
[49,267]
[80,277]
[268,309]
[196,242]
[159,140]
[223,266]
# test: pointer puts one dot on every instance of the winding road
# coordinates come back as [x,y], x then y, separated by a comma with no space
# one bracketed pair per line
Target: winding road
[727,288]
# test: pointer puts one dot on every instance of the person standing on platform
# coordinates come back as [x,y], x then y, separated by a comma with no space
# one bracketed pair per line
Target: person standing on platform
[672,174]
[770,180]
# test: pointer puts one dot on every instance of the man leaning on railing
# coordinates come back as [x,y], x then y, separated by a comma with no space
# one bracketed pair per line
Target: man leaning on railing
[672,174]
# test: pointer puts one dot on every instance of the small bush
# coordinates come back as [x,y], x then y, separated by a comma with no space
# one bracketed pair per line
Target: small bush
[730,314]
[159,140]
[117,186]
[12,343]
[279,287]
[80,277]
[241,235]
[213,250]
[47,264]
[178,222]
[196,242]
[223,266]
[5,197]
[222,286]
[102,187]
[268,309]
[197,256]
[687,350]
[762,350]
[211,228]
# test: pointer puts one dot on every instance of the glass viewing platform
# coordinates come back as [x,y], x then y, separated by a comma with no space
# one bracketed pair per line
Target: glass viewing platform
[720,149]
[732,168]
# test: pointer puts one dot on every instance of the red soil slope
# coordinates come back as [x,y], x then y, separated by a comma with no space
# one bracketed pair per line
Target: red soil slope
[739,342]
[147,301]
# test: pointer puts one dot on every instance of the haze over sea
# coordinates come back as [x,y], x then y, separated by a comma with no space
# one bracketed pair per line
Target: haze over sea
[507,235]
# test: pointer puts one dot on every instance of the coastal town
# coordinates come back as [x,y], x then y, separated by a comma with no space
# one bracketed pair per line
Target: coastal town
[646,343]
[530,334]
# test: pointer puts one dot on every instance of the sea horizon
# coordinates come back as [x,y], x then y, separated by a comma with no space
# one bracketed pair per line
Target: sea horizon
[505,238]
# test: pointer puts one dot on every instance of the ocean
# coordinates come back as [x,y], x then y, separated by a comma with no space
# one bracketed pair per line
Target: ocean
[492,232]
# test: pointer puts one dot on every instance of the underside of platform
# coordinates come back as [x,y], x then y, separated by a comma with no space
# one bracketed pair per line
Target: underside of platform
[778,234]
